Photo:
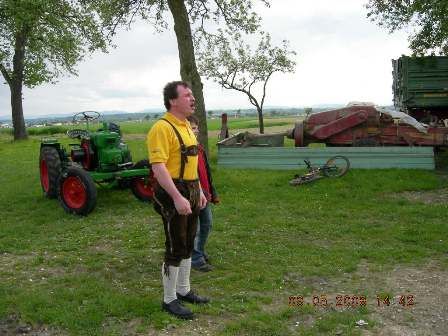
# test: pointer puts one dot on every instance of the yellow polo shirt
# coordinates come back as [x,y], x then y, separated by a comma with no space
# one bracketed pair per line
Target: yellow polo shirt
[164,147]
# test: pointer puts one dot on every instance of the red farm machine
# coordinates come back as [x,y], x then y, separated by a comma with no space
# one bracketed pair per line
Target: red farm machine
[363,125]
[420,116]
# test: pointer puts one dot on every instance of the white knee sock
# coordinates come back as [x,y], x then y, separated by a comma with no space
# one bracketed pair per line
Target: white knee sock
[183,280]
[169,283]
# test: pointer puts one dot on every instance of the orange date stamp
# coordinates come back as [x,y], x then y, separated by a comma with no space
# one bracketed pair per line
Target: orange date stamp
[349,301]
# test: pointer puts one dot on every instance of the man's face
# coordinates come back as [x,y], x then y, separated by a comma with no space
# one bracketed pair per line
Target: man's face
[195,128]
[184,103]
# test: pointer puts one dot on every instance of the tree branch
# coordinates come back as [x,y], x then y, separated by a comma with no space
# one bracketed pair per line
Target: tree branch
[252,98]
[5,74]
[133,14]
[233,77]
[223,12]
[226,85]
[250,85]
[121,14]
[203,13]
[227,77]
[264,88]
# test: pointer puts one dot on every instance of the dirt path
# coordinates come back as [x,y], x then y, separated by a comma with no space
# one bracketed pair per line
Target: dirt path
[423,293]
[423,310]
[12,326]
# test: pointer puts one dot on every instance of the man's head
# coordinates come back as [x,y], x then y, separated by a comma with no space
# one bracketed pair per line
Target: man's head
[194,122]
[178,98]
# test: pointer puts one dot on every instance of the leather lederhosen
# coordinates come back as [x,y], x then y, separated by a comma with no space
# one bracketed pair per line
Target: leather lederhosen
[180,230]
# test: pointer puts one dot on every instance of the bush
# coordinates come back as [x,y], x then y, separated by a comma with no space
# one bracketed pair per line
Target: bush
[6,131]
[49,130]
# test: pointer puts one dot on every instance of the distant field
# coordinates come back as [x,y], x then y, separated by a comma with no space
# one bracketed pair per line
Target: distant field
[212,124]
[135,127]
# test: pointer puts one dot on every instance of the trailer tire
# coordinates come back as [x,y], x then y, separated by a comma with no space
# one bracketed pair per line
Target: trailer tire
[50,169]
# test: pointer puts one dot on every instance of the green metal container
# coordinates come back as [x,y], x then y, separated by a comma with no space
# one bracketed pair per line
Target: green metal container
[360,157]
[420,82]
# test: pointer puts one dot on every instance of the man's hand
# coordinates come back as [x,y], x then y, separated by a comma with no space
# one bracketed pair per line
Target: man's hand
[162,176]
[182,205]
[202,200]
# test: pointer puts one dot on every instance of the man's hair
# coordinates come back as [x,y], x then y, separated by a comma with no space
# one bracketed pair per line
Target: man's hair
[193,119]
[170,92]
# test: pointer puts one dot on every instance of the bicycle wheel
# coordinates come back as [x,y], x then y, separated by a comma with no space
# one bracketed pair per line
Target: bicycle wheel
[336,166]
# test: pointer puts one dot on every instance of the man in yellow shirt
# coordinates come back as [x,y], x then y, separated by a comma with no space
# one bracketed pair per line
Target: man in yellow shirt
[172,148]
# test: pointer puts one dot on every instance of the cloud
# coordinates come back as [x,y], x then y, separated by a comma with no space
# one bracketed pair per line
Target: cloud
[341,56]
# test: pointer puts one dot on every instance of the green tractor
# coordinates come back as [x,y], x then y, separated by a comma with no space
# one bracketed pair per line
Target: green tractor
[100,158]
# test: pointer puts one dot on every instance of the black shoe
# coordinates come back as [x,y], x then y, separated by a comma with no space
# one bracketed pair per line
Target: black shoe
[177,309]
[207,260]
[193,298]
[202,267]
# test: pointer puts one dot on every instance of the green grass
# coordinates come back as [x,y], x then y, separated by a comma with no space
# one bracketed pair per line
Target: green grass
[213,124]
[99,275]
[39,131]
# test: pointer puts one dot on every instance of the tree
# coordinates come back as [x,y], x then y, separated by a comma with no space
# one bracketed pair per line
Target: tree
[188,70]
[40,39]
[232,63]
[189,17]
[428,17]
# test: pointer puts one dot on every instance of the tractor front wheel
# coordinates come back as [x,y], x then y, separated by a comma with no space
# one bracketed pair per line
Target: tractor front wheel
[142,187]
[49,168]
[77,191]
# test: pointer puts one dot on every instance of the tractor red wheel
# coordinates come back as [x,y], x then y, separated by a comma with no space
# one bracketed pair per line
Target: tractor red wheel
[49,169]
[77,191]
[44,178]
[143,187]
[87,161]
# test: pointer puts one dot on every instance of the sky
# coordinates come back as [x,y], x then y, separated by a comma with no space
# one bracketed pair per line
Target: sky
[341,57]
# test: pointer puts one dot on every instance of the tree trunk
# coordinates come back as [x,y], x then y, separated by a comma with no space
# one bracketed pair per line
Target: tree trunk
[260,120]
[18,122]
[16,84]
[188,70]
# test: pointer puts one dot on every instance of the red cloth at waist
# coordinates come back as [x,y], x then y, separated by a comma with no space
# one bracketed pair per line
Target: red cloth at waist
[203,177]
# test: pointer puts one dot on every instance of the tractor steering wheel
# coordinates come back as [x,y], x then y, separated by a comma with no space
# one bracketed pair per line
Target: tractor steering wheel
[86,116]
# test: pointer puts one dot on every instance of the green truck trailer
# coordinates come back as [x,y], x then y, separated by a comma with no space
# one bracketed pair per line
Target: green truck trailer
[420,87]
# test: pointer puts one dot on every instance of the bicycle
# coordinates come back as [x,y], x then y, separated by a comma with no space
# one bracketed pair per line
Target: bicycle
[335,166]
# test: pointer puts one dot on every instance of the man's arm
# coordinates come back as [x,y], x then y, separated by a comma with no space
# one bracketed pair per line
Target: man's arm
[202,199]
[166,182]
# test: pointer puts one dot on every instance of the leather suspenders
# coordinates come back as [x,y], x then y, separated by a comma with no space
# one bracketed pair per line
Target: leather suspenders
[185,151]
